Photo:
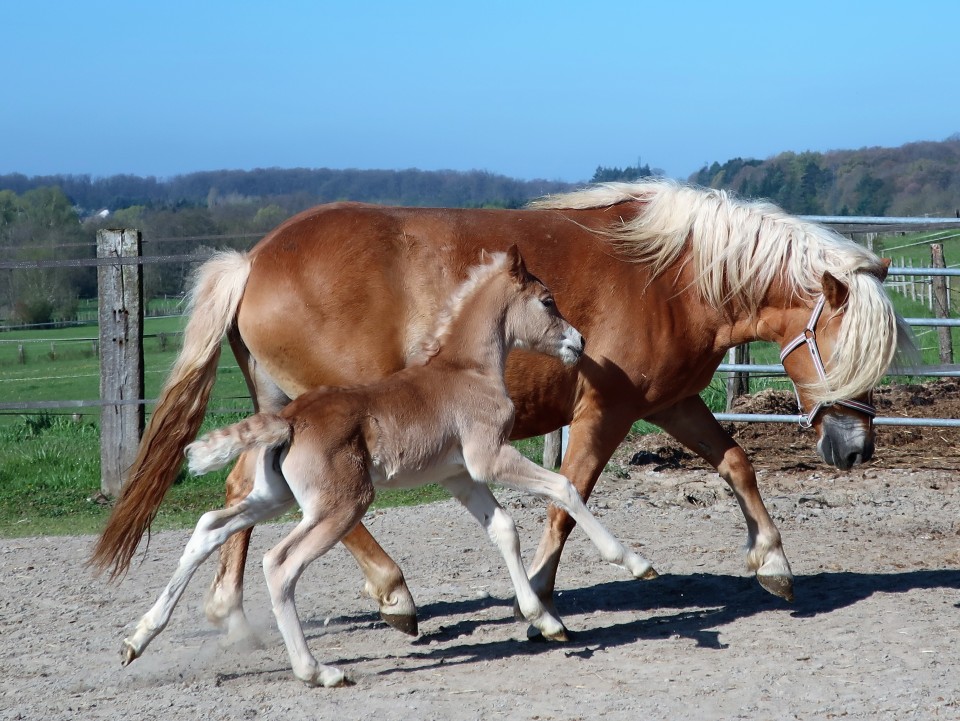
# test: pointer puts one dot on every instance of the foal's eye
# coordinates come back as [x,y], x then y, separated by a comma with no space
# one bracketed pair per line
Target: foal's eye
[548,302]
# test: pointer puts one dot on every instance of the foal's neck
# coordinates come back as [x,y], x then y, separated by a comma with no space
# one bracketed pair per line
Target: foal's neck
[477,336]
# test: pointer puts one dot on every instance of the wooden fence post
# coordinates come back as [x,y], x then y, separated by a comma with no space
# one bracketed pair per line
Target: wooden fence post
[552,447]
[738,382]
[121,355]
[941,303]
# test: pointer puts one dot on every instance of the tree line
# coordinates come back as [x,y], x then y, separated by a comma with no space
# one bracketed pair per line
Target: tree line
[57,217]
[292,189]
[916,179]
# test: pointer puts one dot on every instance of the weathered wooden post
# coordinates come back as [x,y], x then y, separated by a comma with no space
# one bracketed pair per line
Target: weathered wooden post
[121,354]
[552,447]
[941,303]
[738,382]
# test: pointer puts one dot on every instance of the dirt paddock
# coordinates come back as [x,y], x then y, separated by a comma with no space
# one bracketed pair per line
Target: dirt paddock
[873,632]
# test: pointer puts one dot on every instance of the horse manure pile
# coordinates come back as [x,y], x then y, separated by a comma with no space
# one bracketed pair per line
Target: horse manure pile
[787,447]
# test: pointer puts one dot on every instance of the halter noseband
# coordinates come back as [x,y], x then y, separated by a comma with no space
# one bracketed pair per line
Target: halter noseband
[809,337]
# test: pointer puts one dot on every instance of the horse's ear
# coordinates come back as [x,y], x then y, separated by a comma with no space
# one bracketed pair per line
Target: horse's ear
[834,291]
[881,272]
[518,269]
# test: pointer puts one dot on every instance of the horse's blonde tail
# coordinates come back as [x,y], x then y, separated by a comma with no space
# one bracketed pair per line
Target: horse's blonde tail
[217,448]
[213,304]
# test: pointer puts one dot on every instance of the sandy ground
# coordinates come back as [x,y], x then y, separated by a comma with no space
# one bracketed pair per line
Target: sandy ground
[873,632]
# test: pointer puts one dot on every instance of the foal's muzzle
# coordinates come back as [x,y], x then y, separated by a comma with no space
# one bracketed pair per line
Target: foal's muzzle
[571,347]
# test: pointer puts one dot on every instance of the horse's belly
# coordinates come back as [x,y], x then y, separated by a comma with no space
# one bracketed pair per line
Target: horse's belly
[385,475]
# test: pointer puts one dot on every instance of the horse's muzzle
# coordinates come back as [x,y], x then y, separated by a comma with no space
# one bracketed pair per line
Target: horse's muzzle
[845,441]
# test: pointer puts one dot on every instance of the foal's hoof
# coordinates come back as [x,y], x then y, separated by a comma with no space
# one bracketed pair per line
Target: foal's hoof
[402,622]
[778,585]
[535,635]
[649,574]
[128,654]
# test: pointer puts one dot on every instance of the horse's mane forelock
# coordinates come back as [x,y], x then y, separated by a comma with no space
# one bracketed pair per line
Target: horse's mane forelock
[477,275]
[738,248]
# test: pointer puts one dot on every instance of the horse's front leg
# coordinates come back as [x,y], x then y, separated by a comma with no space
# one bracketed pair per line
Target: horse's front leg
[594,436]
[503,532]
[692,423]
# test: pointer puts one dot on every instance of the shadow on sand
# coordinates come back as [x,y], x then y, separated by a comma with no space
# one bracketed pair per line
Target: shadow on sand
[694,606]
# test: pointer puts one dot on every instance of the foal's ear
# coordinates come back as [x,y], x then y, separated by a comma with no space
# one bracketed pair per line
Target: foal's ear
[518,269]
[834,291]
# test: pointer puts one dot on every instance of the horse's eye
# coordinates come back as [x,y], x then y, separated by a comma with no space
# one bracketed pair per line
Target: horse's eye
[548,302]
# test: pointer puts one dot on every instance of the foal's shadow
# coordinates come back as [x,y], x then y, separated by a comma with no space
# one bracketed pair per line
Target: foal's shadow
[693,606]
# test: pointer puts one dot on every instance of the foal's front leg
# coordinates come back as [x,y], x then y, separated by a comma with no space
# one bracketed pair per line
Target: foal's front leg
[503,532]
[511,469]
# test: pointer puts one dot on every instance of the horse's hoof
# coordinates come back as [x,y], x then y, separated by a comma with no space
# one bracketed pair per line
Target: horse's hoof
[778,585]
[128,654]
[402,622]
[649,574]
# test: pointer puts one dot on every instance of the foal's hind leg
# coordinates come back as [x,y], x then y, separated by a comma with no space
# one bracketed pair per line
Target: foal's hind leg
[503,532]
[327,516]
[692,423]
[269,497]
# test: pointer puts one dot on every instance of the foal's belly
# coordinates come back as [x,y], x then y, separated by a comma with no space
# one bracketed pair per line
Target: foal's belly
[385,475]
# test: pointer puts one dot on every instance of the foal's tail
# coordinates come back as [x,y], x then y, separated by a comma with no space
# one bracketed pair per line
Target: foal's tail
[213,305]
[219,447]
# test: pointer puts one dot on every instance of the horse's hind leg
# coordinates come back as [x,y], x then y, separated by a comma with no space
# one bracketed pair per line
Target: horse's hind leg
[269,497]
[223,605]
[503,532]
[692,423]
[384,580]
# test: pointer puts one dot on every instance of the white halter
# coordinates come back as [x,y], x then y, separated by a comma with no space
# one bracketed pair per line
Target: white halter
[809,337]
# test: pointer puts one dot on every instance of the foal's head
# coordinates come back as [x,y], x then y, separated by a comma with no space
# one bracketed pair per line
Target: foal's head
[533,321]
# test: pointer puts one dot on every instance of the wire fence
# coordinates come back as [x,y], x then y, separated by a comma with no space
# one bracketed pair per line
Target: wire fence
[944,229]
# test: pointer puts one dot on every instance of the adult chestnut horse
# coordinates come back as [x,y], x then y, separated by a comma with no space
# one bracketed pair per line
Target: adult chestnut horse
[661,278]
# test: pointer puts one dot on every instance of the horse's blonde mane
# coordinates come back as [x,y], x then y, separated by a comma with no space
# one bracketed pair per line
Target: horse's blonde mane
[739,248]
[477,275]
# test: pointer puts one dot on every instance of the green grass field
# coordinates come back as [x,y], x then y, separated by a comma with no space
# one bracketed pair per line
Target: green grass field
[51,459]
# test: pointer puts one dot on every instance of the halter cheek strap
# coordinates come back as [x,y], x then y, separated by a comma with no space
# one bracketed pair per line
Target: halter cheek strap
[809,338]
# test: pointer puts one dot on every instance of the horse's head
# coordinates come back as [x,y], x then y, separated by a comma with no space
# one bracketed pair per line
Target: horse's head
[533,320]
[834,351]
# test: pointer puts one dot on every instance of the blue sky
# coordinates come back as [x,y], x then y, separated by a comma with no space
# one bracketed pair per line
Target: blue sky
[526,89]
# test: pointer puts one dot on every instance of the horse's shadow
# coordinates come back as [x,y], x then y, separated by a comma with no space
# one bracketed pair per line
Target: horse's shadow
[694,606]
